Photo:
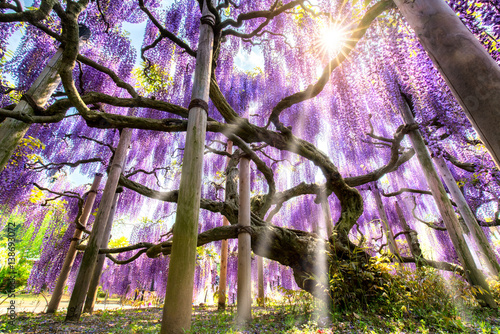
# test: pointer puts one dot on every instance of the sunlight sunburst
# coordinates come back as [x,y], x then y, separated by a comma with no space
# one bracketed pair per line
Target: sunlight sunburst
[330,40]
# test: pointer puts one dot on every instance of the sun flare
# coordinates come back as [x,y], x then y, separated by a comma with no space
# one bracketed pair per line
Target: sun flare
[332,38]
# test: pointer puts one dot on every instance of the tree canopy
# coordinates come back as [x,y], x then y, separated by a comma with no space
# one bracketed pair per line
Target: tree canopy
[318,121]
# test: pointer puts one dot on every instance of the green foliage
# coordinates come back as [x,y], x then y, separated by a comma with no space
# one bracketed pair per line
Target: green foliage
[118,242]
[353,282]
[101,293]
[152,79]
[296,301]
[28,148]
[27,245]
[204,252]
[421,294]
[23,248]
[142,298]
[495,288]
[399,301]
[405,297]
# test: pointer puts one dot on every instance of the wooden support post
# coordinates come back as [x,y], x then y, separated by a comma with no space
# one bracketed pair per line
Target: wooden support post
[471,74]
[260,281]
[13,130]
[92,250]
[385,222]
[96,276]
[223,271]
[473,274]
[475,231]
[244,294]
[224,253]
[55,299]
[410,235]
[179,293]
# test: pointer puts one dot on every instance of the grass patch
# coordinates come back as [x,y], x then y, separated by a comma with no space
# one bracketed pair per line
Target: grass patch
[409,302]
[273,319]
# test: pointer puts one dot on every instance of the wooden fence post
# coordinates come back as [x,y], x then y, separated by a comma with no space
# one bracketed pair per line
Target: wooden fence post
[473,274]
[475,230]
[244,295]
[96,276]
[180,281]
[55,299]
[224,253]
[92,250]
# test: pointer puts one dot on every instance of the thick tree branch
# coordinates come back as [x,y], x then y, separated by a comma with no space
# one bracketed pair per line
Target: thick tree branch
[5,5]
[30,119]
[34,15]
[315,89]
[409,190]
[165,33]
[215,234]
[139,102]
[116,79]
[171,196]
[220,102]
[140,245]
[133,258]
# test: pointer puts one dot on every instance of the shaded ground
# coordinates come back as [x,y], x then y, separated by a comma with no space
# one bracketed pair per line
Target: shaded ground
[277,319]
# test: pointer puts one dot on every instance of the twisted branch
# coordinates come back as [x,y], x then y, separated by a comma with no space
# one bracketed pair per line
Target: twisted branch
[313,90]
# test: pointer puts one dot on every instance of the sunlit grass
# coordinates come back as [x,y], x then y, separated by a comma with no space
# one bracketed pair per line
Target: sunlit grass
[412,302]
[284,318]
[407,301]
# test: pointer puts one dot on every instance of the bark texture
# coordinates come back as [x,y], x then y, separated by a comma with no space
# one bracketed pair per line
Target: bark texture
[178,297]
